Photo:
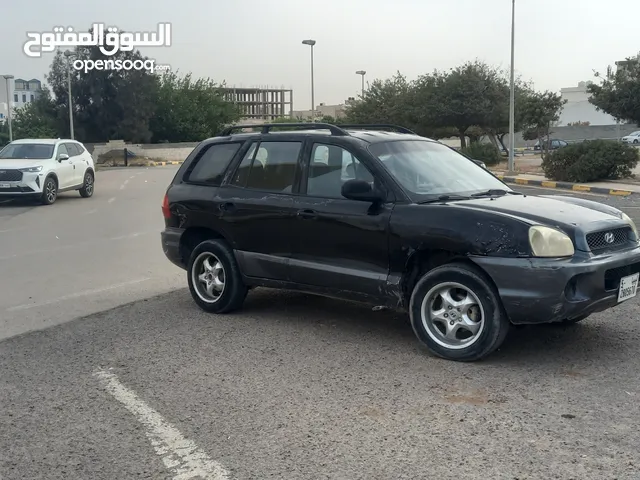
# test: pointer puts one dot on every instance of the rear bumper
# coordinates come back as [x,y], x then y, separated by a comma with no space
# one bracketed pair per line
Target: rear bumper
[535,290]
[170,238]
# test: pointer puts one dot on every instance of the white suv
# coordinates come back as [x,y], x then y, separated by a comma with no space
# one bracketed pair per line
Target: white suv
[633,137]
[45,167]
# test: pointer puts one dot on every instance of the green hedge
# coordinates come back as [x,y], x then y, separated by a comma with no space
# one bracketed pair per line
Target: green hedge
[485,152]
[590,161]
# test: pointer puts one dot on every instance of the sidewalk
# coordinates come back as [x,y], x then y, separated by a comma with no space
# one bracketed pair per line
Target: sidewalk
[619,188]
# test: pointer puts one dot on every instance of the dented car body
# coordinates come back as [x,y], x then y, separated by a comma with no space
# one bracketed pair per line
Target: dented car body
[396,220]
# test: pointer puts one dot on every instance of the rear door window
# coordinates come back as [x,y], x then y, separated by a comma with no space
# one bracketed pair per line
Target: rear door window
[212,164]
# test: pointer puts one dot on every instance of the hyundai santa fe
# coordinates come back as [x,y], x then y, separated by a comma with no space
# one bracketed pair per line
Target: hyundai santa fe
[383,216]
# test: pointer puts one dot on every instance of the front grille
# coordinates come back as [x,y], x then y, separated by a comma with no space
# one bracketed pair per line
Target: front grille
[10,175]
[612,277]
[617,237]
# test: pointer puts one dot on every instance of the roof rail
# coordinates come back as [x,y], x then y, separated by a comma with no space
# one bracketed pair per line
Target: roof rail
[381,126]
[265,128]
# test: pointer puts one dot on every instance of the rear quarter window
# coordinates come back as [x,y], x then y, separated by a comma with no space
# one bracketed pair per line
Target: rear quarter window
[212,163]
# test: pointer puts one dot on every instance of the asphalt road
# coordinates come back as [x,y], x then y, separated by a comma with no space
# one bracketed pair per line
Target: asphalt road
[80,256]
[291,387]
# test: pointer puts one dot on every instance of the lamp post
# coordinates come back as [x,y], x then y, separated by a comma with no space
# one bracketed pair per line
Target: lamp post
[69,54]
[512,95]
[6,81]
[311,43]
[362,73]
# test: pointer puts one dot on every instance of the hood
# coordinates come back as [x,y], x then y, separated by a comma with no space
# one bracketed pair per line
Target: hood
[566,213]
[17,163]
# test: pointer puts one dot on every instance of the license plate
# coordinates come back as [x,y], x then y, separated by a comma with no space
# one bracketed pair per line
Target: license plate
[5,185]
[628,287]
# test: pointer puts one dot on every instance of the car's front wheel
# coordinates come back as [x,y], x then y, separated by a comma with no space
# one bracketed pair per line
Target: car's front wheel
[457,314]
[49,191]
[214,277]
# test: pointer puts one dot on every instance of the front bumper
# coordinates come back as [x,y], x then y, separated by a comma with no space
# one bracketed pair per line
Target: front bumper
[537,290]
[30,184]
[170,238]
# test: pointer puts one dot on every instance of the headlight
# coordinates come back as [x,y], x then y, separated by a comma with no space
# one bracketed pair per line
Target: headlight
[31,169]
[631,223]
[549,242]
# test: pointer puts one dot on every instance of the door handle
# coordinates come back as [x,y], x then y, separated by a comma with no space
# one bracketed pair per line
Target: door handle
[309,214]
[227,207]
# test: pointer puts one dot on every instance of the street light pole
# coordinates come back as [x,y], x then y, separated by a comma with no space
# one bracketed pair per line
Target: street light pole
[6,81]
[363,73]
[512,95]
[69,54]
[311,43]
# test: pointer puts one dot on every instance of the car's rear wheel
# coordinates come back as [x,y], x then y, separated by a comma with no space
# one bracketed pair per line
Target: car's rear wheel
[49,191]
[214,277]
[88,185]
[457,314]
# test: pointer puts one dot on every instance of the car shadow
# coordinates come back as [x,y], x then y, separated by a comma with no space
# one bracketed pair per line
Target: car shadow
[34,202]
[596,339]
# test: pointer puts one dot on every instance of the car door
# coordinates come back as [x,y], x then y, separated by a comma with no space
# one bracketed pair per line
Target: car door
[256,206]
[338,243]
[64,168]
[78,163]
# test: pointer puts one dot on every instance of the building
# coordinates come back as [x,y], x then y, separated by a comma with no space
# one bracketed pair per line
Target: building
[624,64]
[578,108]
[260,103]
[21,93]
[322,110]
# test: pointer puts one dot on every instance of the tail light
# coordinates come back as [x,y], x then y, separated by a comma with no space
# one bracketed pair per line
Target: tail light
[165,207]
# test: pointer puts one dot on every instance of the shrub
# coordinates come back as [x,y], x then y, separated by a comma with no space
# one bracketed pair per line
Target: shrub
[485,152]
[591,161]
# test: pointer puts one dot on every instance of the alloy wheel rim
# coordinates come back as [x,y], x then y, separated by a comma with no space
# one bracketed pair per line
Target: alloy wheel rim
[208,277]
[452,315]
[50,190]
[88,184]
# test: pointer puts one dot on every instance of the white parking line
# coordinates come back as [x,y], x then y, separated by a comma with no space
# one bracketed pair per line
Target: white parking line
[26,306]
[180,455]
[111,200]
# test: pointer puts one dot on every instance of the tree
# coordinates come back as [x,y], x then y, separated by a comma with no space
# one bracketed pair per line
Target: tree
[539,110]
[189,110]
[385,102]
[41,118]
[107,104]
[471,95]
[618,93]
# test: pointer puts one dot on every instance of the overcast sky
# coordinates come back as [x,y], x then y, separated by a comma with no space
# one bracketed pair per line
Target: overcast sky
[258,42]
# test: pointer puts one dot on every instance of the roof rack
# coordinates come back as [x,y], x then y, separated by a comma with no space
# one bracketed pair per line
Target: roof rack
[381,126]
[265,128]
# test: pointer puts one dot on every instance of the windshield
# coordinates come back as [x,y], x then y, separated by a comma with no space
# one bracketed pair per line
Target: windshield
[37,151]
[429,168]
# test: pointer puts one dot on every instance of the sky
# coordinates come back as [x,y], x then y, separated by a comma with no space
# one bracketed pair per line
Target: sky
[259,43]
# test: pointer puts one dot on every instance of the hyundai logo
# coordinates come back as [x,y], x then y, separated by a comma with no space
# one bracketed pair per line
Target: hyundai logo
[608,237]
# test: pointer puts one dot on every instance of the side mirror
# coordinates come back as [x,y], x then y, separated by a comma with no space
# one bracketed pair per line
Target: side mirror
[360,190]
[63,156]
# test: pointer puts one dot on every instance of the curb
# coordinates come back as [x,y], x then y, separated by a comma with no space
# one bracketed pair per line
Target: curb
[576,187]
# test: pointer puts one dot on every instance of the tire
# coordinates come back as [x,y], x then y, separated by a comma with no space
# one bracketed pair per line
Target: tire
[484,313]
[88,185]
[49,191]
[228,289]
[635,141]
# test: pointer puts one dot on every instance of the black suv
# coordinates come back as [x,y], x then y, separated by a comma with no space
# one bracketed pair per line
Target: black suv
[395,220]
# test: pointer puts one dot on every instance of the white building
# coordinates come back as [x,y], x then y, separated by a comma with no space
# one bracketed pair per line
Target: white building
[21,93]
[578,108]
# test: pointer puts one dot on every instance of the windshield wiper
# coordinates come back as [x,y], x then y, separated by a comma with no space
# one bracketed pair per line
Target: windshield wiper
[495,192]
[445,198]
